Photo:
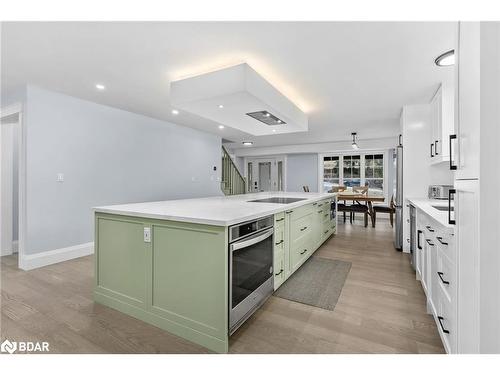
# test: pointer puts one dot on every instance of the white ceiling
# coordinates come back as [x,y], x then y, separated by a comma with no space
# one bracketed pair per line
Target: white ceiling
[346,76]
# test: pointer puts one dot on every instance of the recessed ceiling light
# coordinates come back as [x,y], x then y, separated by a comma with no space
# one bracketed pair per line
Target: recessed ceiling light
[221,126]
[446,59]
[274,130]
[100,86]
[221,106]
[247,143]
[175,112]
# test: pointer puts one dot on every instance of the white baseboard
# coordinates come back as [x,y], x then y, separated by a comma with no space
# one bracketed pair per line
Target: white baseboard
[45,258]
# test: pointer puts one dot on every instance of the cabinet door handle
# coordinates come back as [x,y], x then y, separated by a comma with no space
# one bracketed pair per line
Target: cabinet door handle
[429,228]
[315,203]
[432,150]
[280,219]
[436,147]
[429,242]
[303,252]
[279,273]
[440,274]
[279,243]
[288,212]
[450,193]
[325,232]
[440,239]
[320,211]
[440,319]
[303,229]
[400,139]
[419,232]
[452,165]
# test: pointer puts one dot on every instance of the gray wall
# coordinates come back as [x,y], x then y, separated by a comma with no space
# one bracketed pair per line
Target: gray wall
[302,169]
[108,156]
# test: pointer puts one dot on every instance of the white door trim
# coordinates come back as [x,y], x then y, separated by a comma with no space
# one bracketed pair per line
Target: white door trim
[10,110]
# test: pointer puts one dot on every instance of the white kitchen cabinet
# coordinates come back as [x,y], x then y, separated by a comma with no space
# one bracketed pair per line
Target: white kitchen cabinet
[441,123]
[465,144]
[467,244]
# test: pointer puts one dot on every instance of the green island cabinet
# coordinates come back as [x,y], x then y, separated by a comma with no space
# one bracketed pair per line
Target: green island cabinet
[176,277]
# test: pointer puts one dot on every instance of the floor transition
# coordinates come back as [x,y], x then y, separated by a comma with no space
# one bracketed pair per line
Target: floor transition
[381,309]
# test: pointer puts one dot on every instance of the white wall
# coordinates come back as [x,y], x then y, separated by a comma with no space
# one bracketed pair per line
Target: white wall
[302,169]
[108,156]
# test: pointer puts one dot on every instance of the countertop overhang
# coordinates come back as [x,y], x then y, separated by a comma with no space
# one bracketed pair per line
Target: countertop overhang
[219,210]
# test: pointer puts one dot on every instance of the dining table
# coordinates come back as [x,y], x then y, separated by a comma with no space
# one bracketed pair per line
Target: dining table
[358,197]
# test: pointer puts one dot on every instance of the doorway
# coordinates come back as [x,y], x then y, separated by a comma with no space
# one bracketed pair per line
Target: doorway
[265,174]
[10,137]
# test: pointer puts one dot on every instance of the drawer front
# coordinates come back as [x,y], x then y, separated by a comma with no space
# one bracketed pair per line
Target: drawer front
[446,324]
[279,236]
[300,251]
[279,218]
[446,276]
[297,213]
[445,241]
[300,227]
[279,267]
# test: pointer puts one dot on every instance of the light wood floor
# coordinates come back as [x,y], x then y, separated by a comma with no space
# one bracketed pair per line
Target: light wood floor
[381,309]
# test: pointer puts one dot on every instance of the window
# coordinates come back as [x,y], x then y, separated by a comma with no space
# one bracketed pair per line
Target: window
[331,172]
[374,174]
[354,170]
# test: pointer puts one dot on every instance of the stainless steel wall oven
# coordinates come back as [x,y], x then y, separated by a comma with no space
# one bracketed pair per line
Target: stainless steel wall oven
[250,268]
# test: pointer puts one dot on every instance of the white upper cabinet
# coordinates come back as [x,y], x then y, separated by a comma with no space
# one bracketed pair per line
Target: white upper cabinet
[465,147]
[442,124]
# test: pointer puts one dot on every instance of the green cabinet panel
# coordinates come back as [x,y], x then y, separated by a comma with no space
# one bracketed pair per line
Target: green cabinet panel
[122,259]
[189,276]
[301,250]
[279,266]
[178,281]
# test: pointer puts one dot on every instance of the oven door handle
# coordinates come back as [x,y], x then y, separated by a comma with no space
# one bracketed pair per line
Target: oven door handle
[252,240]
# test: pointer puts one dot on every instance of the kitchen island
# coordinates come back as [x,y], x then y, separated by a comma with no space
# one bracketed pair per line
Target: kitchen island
[168,263]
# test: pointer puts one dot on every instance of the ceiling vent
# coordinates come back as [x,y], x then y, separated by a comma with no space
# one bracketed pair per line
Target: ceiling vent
[266,117]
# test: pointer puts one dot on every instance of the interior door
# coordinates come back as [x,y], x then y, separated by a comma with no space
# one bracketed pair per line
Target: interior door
[265,175]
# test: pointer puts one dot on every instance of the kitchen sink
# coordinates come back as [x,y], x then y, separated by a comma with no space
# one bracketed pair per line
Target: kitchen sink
[280,200]
[442,208]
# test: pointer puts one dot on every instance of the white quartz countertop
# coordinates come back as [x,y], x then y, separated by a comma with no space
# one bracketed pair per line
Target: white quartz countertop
[220,210]
[426,206]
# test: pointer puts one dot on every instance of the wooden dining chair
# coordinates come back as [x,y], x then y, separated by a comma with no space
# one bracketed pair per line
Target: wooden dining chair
[306,188]
[360,189]
[391,210]
[360,207]
[338,189]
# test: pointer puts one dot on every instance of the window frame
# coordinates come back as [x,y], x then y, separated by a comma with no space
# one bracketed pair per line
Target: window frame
[362,155]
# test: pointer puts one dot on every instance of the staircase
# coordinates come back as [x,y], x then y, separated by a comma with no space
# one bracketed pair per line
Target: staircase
[232,181]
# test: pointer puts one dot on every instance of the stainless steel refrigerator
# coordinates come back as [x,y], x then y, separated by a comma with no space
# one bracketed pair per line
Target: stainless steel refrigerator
[398,234]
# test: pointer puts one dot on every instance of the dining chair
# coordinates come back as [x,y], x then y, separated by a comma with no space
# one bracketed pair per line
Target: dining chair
[360,207]
[306,188]
[391,210]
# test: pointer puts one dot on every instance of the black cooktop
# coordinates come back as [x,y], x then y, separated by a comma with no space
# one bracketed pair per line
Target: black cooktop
[278,200]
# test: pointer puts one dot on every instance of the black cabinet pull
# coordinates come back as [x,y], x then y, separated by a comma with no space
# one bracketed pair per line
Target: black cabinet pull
[419,232]
[452,165]
[280,219]
[303,252]
[279,243]
[440,319]
[450,193]
[303,229]
[288,212]
[432,150]
[440,274]
[320,211]
[279,273]
[400,139]
[429,228]
[325,232]
[315,203]
[436,147]
[429,242]
[440,239]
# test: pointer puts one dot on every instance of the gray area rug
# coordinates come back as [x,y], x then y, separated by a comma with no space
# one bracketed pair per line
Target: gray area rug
[318,282]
